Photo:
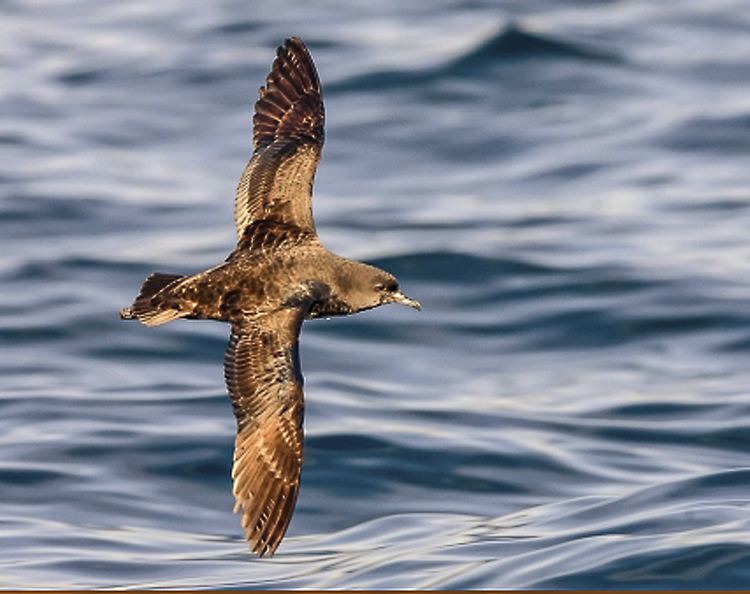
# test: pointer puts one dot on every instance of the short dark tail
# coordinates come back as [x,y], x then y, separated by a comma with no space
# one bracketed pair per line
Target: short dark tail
[151,310]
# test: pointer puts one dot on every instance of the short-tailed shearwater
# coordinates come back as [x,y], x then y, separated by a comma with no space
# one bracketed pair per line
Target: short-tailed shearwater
[278,275]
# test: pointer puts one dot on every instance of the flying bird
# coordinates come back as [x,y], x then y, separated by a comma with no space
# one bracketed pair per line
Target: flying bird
[278,275]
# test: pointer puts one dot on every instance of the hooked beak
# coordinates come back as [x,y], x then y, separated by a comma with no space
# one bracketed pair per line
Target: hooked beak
[399,297]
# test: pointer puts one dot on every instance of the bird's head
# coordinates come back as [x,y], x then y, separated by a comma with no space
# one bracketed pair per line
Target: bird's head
[365,287]
[388,291]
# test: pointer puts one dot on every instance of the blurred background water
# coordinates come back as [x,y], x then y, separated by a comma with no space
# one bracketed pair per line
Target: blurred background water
[564,186]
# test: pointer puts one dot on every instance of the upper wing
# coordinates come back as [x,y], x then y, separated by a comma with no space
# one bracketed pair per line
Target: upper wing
[288,138]
[261,368]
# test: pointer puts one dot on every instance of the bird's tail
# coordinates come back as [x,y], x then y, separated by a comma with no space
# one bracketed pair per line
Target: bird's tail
[155,304]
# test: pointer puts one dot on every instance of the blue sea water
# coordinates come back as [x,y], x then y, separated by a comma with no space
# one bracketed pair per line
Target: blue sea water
[563,185]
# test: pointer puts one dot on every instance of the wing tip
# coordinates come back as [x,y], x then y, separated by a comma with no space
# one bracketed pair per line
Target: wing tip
[290,102]
[265,496]
[296,43]
[263,536]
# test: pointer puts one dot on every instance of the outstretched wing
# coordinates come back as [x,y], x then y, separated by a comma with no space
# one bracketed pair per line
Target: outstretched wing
[262,372]
[288,138]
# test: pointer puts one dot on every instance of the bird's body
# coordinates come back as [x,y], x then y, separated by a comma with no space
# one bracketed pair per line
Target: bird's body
[278,275]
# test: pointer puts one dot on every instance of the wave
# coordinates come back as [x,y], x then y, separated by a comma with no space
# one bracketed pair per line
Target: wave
[516,43]
[721,135]
[689,531]
[509,44]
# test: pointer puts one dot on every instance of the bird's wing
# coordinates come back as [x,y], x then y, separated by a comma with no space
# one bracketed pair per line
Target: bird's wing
[263,377]
[288,138]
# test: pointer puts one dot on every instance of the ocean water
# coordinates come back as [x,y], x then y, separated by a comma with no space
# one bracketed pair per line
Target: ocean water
[563,185]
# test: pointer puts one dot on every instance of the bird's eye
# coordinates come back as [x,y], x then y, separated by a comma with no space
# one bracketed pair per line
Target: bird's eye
[389,287]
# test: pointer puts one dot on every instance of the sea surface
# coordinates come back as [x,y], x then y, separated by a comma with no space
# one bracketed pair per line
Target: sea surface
[565,186]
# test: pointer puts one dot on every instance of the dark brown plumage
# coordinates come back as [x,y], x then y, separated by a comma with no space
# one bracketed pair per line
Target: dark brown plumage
[278,275]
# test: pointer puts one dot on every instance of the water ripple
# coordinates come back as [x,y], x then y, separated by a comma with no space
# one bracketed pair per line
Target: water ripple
[562,185]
